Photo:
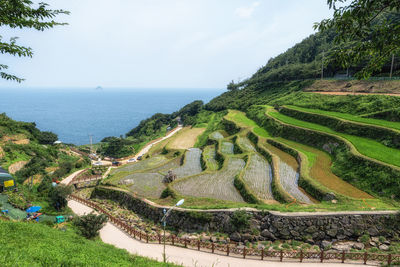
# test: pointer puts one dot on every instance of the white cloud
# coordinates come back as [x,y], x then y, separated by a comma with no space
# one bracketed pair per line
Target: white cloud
[246,12]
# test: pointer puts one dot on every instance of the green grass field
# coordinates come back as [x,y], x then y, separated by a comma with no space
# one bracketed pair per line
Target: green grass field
[365,146]
[350,117]
[243,121]
[32,244]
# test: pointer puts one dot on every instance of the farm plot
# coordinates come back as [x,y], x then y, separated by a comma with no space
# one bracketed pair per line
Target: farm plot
[258,177]
[192,164]
[246,144]
[209,157]
[186,138]
[216,136]
[226,147]
[217,185]
[289,178]
[142,165]
[170,165]
[145,184]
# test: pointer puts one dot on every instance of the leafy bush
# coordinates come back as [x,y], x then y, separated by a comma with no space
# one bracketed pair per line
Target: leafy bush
[168,192]
[47,138]
[89,225]
[58,196]
[240,220]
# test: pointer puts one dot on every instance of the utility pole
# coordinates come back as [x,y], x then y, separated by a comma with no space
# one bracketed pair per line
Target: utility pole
[91,143]
[391,67]
[322,65]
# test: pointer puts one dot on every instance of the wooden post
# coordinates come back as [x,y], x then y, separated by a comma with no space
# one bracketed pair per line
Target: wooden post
[147,238]
[343,256]
[365,257]
[173,240]
[281,255]
[212,247]
[140,235]
[301,255]
[389,259]
[159,238]
[262,254]
[185,242]
[227,250]
[198,244]
[244,252]
[322,256]
[134,234]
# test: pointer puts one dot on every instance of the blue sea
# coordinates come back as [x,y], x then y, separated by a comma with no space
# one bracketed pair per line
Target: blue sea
[74,114]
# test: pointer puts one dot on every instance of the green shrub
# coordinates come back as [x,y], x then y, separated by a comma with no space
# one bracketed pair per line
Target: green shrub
[58,196]
[240,220]
[245,191]
[168,192]
[89,225]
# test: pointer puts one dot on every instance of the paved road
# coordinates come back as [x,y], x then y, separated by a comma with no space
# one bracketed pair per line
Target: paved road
[67,180]
[187,257]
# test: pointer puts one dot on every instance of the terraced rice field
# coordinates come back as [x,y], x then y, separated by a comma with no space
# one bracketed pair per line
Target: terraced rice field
[289,178]
[192,164]
[217,185]
[209,157]
[350,117]
[186,138]
[365,146]
[226,147]
[288,174]
[163,169]
[216,136]
[145,184]
[320,170]
[246,144]
[258,177]
[142,165]
[243,121]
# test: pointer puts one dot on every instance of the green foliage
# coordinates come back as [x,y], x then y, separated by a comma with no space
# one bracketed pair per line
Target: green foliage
[367,32]
[89,225]
[47,138]
[385,136]
[230,127]
[236,147]
[58,196]
[168,192]
[244,191]
[164,151]
[240,220]
[33,244]
[389,115]
[118,148]
[22,14]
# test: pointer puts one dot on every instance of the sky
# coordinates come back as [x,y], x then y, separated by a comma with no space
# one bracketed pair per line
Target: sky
[160,43]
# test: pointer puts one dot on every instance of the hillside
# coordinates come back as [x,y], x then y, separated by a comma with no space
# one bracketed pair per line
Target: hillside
[30,244]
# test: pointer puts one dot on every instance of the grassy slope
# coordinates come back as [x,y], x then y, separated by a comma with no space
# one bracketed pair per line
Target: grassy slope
[31,244]
[319,161]
[365,146]
[350,117]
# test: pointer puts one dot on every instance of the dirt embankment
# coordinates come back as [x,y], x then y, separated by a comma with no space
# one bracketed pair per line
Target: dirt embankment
[19,139]
[343,87]
[2,153]
[16,166]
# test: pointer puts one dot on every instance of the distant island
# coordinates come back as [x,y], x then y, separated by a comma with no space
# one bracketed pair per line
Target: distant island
[99,88]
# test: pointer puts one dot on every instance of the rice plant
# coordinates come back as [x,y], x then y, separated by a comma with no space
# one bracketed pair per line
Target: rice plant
[227,147]
[216,136]
[258,177]
[218,185]
[246,144]
[145,184]
[192,164]
[142,165]
[289,178]
[209,157]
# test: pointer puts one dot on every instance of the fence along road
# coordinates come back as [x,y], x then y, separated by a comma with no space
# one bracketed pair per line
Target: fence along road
[188,257]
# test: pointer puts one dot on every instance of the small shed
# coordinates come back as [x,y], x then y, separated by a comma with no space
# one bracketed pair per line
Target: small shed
[6,180]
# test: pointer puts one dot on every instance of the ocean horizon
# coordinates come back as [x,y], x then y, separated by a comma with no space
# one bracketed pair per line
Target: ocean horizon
[75,113]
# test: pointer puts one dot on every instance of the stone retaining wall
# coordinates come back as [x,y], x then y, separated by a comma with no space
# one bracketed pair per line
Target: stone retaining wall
[265,225]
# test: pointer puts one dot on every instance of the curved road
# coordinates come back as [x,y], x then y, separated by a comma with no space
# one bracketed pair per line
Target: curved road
[110,234]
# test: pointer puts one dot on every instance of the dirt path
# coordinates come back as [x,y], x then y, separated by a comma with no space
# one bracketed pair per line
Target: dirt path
[67,180]
[187,257]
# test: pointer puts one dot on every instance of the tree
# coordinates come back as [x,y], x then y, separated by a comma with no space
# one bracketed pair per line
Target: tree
[368,32]
[58,196]
[21,14]
[89,225]
[47,138]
